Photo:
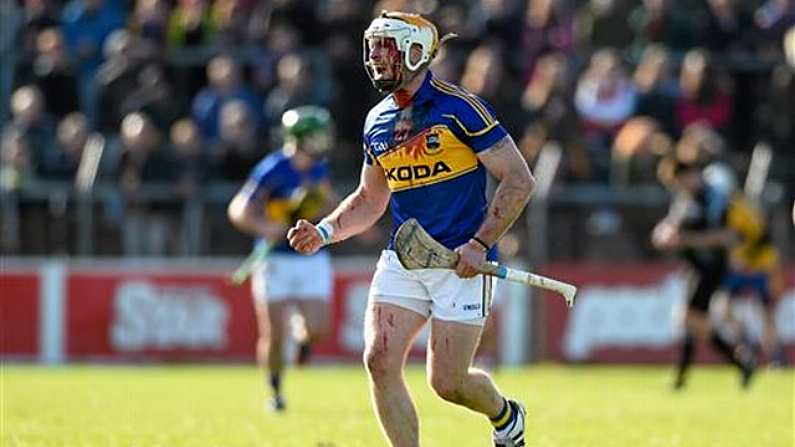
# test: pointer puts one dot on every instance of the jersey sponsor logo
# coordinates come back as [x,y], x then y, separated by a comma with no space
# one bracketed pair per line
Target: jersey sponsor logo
[432,156]
[416,172]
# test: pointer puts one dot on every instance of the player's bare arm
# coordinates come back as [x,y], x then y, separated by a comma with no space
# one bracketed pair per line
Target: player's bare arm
[247,214]
[516,184]
[357,212]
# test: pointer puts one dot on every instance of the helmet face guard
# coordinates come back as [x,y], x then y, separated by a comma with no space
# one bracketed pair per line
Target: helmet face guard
[382,58]
[388,43]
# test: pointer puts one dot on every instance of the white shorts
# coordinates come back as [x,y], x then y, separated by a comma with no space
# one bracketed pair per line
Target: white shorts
[286,276]
[434,293]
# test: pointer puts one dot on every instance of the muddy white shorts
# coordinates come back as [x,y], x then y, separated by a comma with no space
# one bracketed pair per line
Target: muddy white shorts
[286,276]
[434,293]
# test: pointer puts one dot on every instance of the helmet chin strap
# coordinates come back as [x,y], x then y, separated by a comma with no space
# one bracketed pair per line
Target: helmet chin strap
[392,85]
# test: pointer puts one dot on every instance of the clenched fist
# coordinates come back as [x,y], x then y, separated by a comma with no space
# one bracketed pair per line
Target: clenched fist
[304,237]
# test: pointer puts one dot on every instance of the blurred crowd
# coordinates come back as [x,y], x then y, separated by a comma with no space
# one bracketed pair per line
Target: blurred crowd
[187,92]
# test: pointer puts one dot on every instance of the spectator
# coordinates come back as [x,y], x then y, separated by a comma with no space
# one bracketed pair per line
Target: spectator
[86,25]
[153,97]
[145,160]
[637,150]
[230,21]
[603,23]
[704,97]
[548,28]
[190,159]
[663,22]
[657,88]
[39,15]
[485,76]
[16,166]
[238,149]
[283,39]
[27,232]
[53,74]
[190,156]
[296,86]
[150,22]
[728,27]
[495,21]
[31,122]
[189,24]
[116,79]
[301,15]
[605,98]
[63,161]
[550,116]
[225,84]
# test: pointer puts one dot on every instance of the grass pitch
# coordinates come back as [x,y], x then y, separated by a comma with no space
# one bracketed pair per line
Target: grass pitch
[211,406]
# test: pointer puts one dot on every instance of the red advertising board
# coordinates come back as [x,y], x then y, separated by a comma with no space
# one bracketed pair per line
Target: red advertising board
[154,316]
[629,314]
[19,314]
[143,315]
[623,314]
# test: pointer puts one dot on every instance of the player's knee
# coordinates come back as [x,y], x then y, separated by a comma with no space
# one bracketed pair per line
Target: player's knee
[380,364]
[447,387]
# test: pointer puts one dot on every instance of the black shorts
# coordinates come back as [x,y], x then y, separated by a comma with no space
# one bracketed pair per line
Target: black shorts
[708,281]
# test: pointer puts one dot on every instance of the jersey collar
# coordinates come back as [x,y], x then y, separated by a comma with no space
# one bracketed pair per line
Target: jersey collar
[422,94]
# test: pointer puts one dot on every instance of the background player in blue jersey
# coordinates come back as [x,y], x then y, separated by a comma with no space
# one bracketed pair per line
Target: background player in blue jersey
[428,148]
[288,185]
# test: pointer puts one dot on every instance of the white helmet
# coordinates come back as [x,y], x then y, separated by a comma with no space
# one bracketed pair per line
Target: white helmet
[408,31]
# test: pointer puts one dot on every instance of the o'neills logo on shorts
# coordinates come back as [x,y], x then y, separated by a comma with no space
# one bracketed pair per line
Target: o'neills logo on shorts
[471,306]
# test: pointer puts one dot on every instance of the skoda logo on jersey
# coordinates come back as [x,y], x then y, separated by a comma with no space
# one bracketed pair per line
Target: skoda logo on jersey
[432,143]
[416,172]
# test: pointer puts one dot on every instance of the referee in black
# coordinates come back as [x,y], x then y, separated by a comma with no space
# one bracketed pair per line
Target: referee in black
[696,227]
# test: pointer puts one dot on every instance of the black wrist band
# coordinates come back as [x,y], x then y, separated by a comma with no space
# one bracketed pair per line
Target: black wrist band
[479,241]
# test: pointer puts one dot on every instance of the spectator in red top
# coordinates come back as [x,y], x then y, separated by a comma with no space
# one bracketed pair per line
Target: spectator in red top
[605,98]
[704,97]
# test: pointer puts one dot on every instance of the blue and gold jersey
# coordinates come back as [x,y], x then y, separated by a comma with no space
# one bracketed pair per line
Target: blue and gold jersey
[428,151]
[288,194]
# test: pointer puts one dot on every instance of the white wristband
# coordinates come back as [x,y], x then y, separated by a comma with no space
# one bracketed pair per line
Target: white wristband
[326,231]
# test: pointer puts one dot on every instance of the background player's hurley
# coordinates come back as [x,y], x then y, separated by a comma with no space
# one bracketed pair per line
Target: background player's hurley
[258,255]
[416,249]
